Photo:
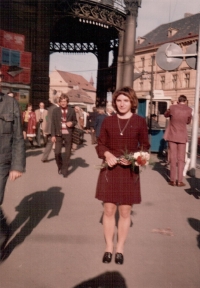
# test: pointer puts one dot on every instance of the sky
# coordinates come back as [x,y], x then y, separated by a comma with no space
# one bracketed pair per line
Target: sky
[152,14]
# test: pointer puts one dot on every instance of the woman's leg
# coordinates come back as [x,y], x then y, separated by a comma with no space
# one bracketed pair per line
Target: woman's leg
[24,134]
[109,225]
[123,226]
[31,141]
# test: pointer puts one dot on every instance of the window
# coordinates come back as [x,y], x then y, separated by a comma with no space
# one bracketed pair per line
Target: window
[162,107]
[162,81]
[171,32]
[187,80]
[140,40]
[141,84]
[174,81]
[143,62]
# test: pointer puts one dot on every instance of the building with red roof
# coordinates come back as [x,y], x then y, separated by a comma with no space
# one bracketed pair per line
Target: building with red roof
[80,91]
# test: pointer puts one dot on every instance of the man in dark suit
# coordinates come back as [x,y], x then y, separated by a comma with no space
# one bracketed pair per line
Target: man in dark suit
[63,121]
[177,136]
[47,130]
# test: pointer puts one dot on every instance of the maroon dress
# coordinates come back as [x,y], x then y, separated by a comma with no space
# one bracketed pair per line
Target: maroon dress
[119,184]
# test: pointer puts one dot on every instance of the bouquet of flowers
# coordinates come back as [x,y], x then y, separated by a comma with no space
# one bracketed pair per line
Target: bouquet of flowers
[140,159]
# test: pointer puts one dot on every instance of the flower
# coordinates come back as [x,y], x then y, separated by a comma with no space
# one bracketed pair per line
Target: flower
[140,159]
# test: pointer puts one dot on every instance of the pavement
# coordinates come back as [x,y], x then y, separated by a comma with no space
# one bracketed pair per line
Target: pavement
[58,241]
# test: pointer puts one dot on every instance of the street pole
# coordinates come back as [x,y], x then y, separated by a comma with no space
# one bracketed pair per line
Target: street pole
[195,121]
[151,95]
[120,61]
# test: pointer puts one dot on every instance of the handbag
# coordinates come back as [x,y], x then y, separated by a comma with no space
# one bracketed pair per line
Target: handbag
[77,136]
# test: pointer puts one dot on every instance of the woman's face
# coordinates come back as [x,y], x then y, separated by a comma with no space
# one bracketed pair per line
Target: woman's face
[29,108]
[123,104]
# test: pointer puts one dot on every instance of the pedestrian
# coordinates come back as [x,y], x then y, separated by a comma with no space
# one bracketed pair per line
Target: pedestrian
[79,124]
[41,120]
[29,124]
[63,121]
[176,134]
[47,130]
[110,111]
[154,122]
[12,154]
[118,185]
[99,120]
[91,122]
[85,116]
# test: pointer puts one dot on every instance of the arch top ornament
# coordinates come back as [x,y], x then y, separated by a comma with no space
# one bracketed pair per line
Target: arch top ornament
[96,13]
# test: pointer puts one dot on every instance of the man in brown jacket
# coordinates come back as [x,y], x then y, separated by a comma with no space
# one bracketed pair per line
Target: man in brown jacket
[176,134]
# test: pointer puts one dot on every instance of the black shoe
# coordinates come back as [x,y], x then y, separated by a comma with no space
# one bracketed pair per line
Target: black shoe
[44,161]
[107,257]
[119,258]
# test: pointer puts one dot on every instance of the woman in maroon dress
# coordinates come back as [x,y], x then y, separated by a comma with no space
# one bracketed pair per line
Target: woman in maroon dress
[118,185]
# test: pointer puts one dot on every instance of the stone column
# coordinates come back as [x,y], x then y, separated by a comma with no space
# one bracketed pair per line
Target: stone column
[120,60]
[129,41]
[40,54]
[103,54]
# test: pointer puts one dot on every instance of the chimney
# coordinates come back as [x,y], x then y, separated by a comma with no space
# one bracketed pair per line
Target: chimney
[187,15]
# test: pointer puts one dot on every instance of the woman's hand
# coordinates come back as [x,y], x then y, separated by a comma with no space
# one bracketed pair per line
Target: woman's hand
[110,159]
[124,162]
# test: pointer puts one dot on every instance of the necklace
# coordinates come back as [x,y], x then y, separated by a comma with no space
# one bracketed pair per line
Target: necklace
[122,131]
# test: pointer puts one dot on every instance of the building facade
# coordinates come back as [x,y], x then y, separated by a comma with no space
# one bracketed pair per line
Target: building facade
[182,80]
[80,91]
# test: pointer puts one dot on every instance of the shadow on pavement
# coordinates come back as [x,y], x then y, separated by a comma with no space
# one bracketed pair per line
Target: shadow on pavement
[194,189]
[31,210]
[33,153]
[76,163]
[161,167]
[108,280]
[195,224]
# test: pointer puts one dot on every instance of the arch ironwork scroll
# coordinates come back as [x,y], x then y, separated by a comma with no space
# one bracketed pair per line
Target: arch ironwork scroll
[104,13]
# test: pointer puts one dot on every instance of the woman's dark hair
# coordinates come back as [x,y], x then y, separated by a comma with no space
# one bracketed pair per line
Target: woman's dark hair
[28,105]
[64,96]
[128,92]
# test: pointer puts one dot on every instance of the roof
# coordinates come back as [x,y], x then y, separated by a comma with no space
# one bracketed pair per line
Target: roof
[79,96]
[74,80]
[186,28]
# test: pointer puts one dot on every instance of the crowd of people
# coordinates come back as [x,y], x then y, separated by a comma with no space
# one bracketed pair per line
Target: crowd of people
[112,130]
